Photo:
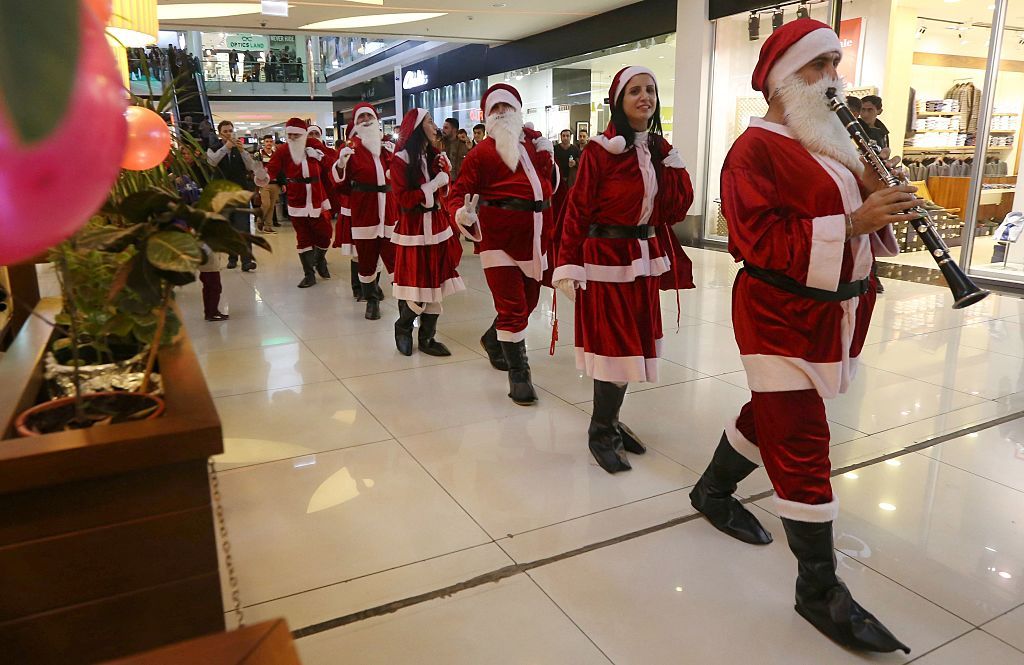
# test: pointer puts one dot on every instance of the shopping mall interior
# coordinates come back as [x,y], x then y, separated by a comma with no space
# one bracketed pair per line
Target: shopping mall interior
[202,463]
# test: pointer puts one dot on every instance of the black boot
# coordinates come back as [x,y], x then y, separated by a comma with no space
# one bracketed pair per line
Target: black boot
[713,496]
[309,276]
[403,328]
[321,263]
[824,600]
[630,441]
[492,346]
[520,386]
[376,286]
[357,289]
[372,301]
[429,345]
[606,444]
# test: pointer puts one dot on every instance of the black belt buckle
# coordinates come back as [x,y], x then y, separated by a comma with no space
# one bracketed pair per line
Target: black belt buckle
[645,231]
[538,206]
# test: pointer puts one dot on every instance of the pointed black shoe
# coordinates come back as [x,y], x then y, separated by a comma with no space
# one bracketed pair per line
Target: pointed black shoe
[490,344]
[372,301]
[357,288]
[520,384]
[713,496]
[321,263]
[630,441]
[308,275]
[403,328]
[604,437]
[823,599]
[429,345]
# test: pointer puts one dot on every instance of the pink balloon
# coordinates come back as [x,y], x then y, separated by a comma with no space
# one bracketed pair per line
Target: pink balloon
[101,9]
[49,189]
[149,140]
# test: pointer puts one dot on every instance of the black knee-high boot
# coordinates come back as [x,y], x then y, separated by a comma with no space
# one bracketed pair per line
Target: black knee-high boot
[520,384]
[492,346]
[308,260]
[357,289]
[372,301]
[321,263]
[823,599]
[429,345]
[713,496]
[403,328]
[605,439]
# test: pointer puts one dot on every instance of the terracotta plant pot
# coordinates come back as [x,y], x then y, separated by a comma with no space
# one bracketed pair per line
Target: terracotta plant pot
[29,421]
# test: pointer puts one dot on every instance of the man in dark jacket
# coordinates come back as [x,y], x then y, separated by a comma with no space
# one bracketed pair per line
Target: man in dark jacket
[232,162]
[870,109]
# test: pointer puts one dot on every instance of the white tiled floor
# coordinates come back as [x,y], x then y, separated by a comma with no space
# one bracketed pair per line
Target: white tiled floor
[355,477]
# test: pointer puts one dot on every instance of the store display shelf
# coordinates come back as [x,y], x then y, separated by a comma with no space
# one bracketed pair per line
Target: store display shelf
[958,149]
[933,114]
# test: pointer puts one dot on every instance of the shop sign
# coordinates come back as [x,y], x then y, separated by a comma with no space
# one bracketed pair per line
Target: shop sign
[851,38]
[415,79]
[246,42]
[283,43]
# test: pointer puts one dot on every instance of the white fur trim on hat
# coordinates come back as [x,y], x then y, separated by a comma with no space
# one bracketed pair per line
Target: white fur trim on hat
[806,49]
[318,127]
[627,74]
[499,96]
[298,131]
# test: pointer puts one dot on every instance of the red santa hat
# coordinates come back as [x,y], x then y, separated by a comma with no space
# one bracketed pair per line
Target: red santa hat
[790,48]
[296,126]
[318,128]
[620,80]
[410,123]
[500,93]
[361,108]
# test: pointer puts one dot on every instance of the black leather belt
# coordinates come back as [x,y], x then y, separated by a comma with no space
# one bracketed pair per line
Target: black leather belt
[521,205]
[304,181]
[845,291]
[379,189]
[420,208]
[639,232]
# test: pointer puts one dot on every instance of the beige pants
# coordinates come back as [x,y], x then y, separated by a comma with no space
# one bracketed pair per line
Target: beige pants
[269,196]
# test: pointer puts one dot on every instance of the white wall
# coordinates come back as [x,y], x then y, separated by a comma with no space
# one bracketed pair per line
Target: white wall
[689,93]
[536,93]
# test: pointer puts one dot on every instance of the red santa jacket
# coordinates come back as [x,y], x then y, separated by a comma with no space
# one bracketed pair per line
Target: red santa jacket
[417,226]
[620,186]
[307,182]
[786,209]
[374,214]
[509,237]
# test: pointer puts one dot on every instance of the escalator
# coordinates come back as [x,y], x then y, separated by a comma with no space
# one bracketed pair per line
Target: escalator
[185,76]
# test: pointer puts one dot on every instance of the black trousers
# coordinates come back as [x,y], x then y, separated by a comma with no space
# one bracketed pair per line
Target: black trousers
[240,222]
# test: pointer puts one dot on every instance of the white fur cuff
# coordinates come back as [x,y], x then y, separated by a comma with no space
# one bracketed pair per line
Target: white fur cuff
[428,194]
[575,273]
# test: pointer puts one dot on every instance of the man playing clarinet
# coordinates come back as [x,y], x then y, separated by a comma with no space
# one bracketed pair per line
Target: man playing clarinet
[806,219]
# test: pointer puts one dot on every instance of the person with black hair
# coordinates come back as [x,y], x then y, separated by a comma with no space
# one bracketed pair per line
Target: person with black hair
[233,162]
[427,251]
[453,147]
[617,250]
[870,109]
[479,134]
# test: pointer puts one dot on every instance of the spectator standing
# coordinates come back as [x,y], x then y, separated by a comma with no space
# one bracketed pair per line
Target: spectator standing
[271,194]
[567,158]
[232,162]
[870,109]
[479,133]
[453,147]
[233,64]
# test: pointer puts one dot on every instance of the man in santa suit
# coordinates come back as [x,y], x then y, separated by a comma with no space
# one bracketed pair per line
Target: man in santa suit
[502,198]
[308,184]
[361,173]
[315,140]
[806,219]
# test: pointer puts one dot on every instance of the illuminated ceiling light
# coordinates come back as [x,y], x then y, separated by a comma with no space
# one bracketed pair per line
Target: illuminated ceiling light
[887,506]
[893,462]
[206,10]
[134,22]
[1005,575]
[851,475]
[371,20]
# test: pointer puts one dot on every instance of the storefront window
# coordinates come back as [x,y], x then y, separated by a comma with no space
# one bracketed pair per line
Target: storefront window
[460,101]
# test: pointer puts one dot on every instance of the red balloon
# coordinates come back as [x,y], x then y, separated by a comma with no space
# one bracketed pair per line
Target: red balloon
[100,9]
[46,191]
[149,140]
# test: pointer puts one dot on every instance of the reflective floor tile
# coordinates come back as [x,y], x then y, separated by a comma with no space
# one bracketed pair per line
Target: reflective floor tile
[1009,627]
[509,623]
[239,332]
[974,647]
[691,594]
[535,469]
[373,353]
[538,333]
[237,371]
[999,335]
[303,523]
[707,348]
[996,453]
[292,422]
[431,398]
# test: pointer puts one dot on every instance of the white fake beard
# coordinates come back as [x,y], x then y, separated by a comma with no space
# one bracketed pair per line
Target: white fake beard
[371,136]
[814,124]
[507,131]
[297,148]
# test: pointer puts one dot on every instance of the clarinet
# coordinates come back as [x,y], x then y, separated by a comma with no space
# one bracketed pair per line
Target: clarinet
[965,291]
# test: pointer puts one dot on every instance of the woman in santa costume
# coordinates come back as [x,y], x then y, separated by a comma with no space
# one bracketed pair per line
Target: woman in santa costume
[806,220]
[502,198]
[361,173]
[427,250]
[617,249]
[308,187]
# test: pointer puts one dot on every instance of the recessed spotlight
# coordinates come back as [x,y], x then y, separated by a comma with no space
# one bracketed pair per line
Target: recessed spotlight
[893,462]
[851,475]
[887,506]
[371,20]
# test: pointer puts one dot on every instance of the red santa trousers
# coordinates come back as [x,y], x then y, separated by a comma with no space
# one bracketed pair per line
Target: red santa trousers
[312,232]
[370,253]
[788,433]
[515,297]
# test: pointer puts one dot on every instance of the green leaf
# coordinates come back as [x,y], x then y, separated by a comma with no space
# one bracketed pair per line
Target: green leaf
[144,282]
[175,251]
[39,48]
[106,238]
[259,241]
[140,206]
[218,194]
[220,236]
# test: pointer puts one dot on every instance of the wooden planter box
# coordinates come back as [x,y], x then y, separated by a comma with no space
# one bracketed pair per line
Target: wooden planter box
[107,544]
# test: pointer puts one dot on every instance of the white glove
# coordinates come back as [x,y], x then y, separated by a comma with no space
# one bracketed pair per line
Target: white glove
[261,177]
[568,287]
[344,154]
[466,215]
[389,146]
[673,160]
[439,181]
[542,143]
[445,161]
